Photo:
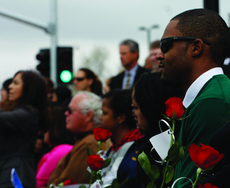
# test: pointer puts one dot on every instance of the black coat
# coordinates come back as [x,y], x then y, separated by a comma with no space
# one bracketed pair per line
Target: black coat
[18,133]
[116,81]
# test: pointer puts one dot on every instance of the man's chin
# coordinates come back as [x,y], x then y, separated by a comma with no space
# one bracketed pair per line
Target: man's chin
[168,82]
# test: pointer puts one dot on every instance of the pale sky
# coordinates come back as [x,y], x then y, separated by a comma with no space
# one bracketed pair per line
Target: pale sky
[85,24]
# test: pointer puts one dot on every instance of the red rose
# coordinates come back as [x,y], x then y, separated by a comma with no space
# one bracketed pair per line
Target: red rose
[69,182]
[95,162]
[207,185]
[205,156]
[174,105]
[101,134]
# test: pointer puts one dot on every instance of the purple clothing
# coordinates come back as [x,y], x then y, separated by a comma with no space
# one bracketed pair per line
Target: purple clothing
[48,163]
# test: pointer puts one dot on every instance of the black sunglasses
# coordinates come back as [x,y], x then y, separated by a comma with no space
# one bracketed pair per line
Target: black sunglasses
[79,79]
[69,110]
[166,43]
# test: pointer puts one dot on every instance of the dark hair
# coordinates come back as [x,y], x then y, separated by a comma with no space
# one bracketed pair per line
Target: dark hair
[150,94]
[58,134]
[208,26]
[133,46]
[96,86]
[6,84]
[34,95]
[155,44]
[120,102]
[63,93]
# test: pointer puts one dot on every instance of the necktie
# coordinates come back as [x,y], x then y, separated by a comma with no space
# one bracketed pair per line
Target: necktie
[127,86]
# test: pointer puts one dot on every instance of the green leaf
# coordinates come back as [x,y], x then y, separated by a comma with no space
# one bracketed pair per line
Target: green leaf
[166,117]
[155,172]
[88,175]
[82,186]
[107,162]
[151,185]
[109,186]
[152,171]
[89,152]
[144,162]
[61,184]
[174,151]
[169,175]
[115,184]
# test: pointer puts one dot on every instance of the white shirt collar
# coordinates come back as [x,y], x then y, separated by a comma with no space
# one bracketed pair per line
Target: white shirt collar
[197,85]
[133,70]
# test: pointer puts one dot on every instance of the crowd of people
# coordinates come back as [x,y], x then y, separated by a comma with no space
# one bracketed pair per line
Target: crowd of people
[46,133]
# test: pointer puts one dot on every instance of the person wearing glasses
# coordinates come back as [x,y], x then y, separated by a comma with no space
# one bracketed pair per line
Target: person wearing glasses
[129,54]
[81,117]
[87,80]
[193,48]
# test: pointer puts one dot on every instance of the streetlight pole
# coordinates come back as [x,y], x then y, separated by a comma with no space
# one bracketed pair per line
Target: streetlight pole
[50,28]
[148,30]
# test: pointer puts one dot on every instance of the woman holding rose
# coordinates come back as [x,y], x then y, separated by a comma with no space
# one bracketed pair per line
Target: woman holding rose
[148,102]
[117,118]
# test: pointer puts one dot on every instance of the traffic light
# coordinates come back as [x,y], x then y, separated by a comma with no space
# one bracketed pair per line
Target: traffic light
[44,62]
[64,64]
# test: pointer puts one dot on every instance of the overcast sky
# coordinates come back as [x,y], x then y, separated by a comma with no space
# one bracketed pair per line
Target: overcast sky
[85,24]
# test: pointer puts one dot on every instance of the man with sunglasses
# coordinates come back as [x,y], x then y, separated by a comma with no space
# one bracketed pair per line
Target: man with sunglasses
[82,116]
[193,48]
[129,54]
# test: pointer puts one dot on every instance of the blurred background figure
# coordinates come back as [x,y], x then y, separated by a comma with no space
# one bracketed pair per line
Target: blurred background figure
[117,117]
[49,87]
[61,95]
[60,141]
[148,63]
[20,121]
[87,80]
[107,88]
[5,92]
[154,50]
[129,54]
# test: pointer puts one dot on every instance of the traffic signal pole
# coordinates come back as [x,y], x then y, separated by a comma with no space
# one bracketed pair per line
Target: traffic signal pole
[54,41]
[50,28]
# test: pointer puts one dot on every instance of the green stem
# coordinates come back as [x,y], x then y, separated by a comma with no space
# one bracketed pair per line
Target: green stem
[99,145]
[199,170]
[173,127]
[164,175]
[91,179]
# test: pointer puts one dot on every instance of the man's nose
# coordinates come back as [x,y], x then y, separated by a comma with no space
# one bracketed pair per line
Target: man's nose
[160,56]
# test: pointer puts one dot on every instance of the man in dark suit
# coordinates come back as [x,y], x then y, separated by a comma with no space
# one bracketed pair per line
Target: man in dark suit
[129,53]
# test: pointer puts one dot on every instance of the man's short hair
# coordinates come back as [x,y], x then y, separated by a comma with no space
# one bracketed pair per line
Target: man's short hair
[208,26]
[133,46]
[93,103]
[155,44]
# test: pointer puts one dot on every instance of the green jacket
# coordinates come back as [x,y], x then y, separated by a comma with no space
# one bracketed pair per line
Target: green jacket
[206,114]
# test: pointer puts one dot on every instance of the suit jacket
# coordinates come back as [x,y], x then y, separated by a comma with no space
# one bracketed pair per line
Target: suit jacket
[116,81]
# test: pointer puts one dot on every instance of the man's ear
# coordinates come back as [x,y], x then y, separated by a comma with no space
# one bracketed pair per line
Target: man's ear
[121,119]
[89,116]
[197,47]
